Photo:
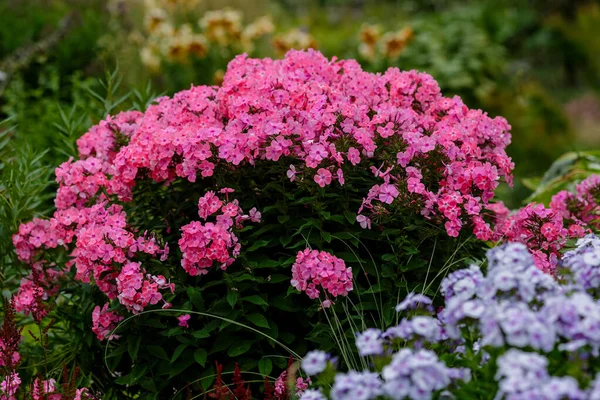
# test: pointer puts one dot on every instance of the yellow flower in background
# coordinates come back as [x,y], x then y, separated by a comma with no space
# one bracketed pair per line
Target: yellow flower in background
[154,18]
[198,45]
[369,34]
[393,43]
[150,58]
[294,39]
[260,27]
[222,26]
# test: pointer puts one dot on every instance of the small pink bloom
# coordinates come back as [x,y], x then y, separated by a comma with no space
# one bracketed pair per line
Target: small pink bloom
[183,320]
[323,177]
[387,193]
[291,173]
[364,222]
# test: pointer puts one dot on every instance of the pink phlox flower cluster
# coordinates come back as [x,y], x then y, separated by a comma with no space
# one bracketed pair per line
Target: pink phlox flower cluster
[541,229]
[545,230]
[320,113]
[103,243]
[581,207]
[41,283]
[137,289]
[314,269]
[104,322]
[102,141]
[205,243]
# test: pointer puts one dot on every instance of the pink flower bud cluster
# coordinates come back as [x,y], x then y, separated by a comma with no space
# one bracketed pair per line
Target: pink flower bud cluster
[314,269]
[204,244]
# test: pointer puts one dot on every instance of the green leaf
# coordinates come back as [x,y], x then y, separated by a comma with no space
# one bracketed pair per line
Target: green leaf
[258,320]
[258,244]
[283,219]
[285,240]
[255,299]
[201,334]
[207,378]
[350,216]
[134,345]
[178,352]
[137,372]
[265,366]
[239,348]
[232,298]
[200,356]
[158,351]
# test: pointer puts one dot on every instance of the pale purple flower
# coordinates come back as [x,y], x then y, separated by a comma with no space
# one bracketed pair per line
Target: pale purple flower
[413,301]
[312,394]
[356,386]
[369,342]
[315,362]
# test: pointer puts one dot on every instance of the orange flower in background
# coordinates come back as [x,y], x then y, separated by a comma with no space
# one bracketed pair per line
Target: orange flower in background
[222,26]
[393,43]
[296,38]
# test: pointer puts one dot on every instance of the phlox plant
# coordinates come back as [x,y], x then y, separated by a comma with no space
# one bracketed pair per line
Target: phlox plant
[506,331]
[205,228]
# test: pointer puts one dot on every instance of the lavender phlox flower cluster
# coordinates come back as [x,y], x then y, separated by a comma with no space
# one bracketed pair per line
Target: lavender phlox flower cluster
[594,391]
[519,372]
[416,375]
[357,386]
[509,256]
[576,318]
[512,274]
[415,301]
[419,328]
[584,264]
[370,342]
[315,362]
[312,394]
[517,325]
[463,283]
[524,376]
[459,312]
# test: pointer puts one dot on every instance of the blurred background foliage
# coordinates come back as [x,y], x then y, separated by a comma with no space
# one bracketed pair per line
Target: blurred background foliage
[535,62]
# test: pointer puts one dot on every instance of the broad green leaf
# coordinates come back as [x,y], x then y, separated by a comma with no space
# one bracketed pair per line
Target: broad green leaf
[200,356]
[265,366]
[239,348]
[258,320]
[178,350]
[232,298]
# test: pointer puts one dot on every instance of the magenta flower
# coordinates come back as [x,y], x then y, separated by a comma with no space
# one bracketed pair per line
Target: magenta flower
[183,320]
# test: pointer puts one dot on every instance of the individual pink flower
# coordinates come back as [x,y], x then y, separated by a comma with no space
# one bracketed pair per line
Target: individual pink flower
[353,156]
[340,176]
[291,173]
[183,320]
[364,222]
[323,177]
[387,193]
